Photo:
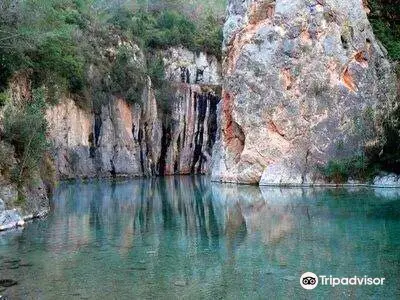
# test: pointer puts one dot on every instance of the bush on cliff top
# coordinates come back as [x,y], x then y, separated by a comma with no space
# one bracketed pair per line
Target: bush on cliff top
[38,36]
[127,77]
[385,20]
[62,38]
[163,29]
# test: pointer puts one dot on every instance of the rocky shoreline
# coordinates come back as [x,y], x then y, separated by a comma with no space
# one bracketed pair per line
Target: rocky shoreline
[13,218]
[380,181]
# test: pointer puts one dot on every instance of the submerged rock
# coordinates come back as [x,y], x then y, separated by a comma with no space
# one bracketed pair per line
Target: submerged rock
[180,283]
[7,282]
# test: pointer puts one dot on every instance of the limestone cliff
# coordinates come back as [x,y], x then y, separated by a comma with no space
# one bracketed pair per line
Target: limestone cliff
[125,139]
[304,82]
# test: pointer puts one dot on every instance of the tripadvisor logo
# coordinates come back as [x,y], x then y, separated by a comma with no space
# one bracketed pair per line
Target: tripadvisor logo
[309,280]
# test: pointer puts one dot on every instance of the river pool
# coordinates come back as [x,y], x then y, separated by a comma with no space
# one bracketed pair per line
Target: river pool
[185,237]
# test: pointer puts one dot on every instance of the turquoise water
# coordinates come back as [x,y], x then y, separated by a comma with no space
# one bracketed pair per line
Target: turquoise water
[184,237]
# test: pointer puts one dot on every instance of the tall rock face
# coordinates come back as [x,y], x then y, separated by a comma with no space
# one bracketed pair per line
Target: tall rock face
[304,82]
[124,139]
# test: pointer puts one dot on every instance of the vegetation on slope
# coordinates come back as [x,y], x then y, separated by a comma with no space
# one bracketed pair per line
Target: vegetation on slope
[385,19]
[57,39]
[63,47]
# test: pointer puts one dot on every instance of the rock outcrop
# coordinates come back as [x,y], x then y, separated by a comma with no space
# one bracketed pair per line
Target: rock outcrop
[124,139]
[14,210]
[387,181]
[304,82]
[182,65]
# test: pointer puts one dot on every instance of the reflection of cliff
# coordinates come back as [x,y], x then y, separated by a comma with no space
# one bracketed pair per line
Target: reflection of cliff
[191,206]
[273,222]
[144,205]
[255,212]
[186,237]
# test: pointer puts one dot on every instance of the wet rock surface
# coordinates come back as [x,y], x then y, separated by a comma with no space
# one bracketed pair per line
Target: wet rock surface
[124,139]
[9,218]
[304,82]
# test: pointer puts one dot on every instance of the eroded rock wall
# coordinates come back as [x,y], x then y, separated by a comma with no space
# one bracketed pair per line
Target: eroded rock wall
[304,82]
[191,133]
[124,139]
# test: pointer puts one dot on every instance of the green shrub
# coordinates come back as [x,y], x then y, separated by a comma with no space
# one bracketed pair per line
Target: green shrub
[162,29]
[6,159]
[128,77]
[340,170]
[62,41]
[3,98]
[38,34]
[209,36]
[156,70]
[387,155]
[58,57]
[390,40]
[384,19]
[25,129]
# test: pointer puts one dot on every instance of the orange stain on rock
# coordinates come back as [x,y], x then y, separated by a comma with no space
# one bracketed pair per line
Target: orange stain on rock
[232,134]
[366,7]
[361,58]
[305,38]
[348,80]
[227,109]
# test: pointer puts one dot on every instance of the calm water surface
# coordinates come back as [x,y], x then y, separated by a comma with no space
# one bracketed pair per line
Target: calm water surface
[184,237]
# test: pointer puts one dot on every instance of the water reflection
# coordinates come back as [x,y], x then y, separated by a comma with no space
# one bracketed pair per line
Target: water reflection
[187,205]
[186,237]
